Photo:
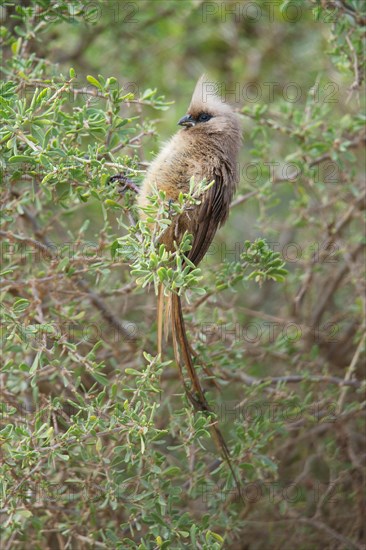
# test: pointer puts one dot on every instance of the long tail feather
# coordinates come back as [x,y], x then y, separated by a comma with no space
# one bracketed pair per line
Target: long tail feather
[195,392]
[207,370]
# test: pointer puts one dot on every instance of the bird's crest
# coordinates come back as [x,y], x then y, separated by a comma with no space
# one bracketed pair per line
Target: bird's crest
[206,97]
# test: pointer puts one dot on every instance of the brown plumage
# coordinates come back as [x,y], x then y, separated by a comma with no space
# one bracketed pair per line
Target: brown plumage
[203,149]
[206,148]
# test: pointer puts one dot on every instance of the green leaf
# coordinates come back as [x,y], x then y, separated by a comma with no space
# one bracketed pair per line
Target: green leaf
[15,47]
[21,305]
[114,204]
[101,378]
[94,81]
[134,372]
[23,158]
[35,363]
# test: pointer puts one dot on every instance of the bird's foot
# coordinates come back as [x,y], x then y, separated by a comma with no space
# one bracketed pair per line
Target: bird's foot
[126,183]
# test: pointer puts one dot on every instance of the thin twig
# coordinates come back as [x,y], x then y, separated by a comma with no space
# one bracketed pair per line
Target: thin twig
[349,373]
[292,379]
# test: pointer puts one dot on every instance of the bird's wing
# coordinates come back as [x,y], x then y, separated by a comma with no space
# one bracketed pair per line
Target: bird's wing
[212,212]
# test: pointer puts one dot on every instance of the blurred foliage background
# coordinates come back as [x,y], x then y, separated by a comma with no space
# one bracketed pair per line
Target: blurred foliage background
[99,446]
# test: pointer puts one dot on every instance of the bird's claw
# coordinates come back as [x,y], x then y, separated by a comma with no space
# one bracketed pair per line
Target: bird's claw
[127,184]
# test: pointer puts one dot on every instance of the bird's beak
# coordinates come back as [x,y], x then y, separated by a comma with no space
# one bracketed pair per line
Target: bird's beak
[187,120]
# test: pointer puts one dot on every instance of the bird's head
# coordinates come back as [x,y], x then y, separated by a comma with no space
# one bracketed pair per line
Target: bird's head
[208,113]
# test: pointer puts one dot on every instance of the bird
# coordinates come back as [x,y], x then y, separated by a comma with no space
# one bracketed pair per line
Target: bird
[205,148]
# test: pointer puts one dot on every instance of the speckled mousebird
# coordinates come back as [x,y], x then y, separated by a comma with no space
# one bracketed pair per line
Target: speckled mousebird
[206,147]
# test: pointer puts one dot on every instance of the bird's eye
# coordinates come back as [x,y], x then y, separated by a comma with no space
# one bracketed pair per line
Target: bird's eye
[204,117]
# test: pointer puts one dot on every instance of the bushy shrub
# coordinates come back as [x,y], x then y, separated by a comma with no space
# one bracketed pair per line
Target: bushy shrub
[100,447]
